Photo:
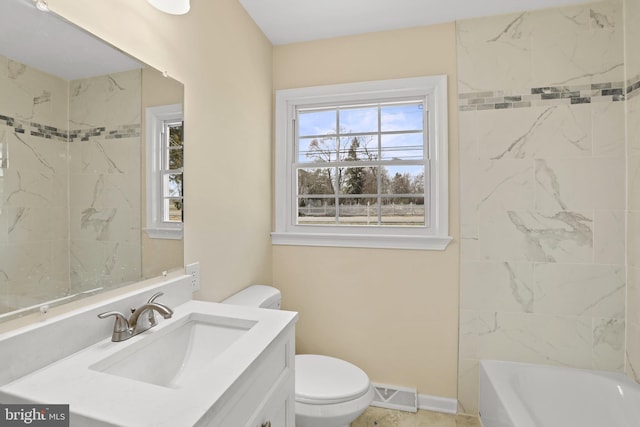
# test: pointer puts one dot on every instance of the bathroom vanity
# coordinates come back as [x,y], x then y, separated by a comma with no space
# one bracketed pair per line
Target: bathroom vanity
[208,365]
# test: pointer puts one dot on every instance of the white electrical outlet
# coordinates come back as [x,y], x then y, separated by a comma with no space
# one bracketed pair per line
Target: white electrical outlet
[193,270]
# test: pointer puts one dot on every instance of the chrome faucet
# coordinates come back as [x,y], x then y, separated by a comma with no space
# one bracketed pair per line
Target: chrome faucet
[150,320]
[124,329]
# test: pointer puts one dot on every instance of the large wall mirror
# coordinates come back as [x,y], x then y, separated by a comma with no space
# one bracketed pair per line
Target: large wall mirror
[72,157]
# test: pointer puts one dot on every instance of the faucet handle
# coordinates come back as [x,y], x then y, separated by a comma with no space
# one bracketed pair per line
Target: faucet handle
[121,323]
[121,329]
[151,317]
[154,297]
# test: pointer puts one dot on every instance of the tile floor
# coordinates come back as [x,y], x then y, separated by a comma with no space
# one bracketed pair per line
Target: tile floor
[380,417]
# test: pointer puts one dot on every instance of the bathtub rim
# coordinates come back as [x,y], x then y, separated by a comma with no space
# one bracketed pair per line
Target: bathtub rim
[507,399]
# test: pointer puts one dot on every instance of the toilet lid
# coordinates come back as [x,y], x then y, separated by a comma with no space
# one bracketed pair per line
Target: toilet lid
[326,380]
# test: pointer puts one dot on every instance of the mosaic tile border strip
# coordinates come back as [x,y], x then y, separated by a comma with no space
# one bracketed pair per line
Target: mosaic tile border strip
[124,131]
[82,135]
[633,86]
[549,95]
[34,129]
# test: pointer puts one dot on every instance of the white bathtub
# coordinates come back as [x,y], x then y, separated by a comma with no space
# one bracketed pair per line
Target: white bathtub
[523,395]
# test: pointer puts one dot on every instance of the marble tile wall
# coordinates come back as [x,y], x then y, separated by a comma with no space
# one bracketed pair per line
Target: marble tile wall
[104,184]
[69,190]
[542,142]
[632,36]
[33,186]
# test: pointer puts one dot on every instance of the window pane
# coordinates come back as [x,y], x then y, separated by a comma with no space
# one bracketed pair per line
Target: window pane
[318,122]
[358,211]
[361,147]
[175,158]
[359,180]
[172,185]
[359,120]
[316,210]
[402,211]
[317,150]
[173,210]
[402,117]
[406,180]
[316,181]
[404,146]
[175,135]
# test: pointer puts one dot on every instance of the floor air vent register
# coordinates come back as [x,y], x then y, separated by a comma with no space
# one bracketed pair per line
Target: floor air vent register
[394,397]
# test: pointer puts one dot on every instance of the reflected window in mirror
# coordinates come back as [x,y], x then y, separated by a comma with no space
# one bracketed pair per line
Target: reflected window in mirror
[165,149]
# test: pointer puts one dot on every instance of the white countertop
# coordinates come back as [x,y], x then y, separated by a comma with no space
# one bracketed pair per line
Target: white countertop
[98,398]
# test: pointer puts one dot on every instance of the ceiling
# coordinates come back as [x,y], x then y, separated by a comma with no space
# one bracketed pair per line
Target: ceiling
[291,21]
[49,43]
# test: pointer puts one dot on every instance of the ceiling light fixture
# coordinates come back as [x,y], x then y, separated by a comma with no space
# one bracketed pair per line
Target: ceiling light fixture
[41,5]
[174,7]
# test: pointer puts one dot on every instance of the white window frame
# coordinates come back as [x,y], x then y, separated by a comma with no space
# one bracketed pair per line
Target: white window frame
[156,117]
[432,237]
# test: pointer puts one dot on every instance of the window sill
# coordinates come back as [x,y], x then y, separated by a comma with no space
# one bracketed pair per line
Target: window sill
[164,233]
[361,241]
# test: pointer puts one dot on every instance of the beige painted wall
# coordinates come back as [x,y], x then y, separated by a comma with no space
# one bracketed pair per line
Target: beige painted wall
[392,312]
[158,255]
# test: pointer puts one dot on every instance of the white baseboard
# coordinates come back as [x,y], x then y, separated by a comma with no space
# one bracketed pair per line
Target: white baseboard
[437,404]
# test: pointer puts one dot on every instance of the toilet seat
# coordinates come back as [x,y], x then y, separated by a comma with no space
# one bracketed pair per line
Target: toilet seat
[324,380]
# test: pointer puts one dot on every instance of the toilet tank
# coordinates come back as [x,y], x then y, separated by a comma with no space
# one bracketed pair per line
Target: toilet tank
[257,296]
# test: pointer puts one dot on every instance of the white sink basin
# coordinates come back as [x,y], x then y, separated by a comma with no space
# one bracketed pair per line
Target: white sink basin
[177,352]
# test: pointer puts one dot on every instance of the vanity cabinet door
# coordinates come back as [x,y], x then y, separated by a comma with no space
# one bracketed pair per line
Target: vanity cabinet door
[277,410]
[265,393]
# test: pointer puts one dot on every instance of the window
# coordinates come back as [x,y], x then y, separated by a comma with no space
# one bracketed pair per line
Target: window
[363,165]
[165,153]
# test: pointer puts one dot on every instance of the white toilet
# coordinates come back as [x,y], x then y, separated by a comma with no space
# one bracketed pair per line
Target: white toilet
[330,392]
